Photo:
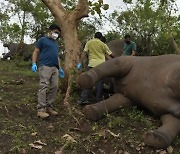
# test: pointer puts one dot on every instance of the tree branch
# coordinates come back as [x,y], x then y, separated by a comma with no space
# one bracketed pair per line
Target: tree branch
[81,10]
[55,6]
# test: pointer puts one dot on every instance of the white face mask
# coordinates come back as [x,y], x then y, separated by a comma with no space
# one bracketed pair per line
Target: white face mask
[55,36]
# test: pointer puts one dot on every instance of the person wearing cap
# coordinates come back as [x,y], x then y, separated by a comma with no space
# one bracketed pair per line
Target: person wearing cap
[49,69]
[96,51]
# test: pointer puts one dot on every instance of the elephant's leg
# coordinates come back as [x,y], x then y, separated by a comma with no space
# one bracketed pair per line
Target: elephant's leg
[175,109]
[167,106]
[115,102]
[164,135]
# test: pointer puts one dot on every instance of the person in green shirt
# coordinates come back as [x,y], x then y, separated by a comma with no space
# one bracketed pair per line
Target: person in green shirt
[129,46]
[96,51]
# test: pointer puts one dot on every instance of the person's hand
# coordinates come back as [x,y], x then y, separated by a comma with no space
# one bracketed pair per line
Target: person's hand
[61,73]
[34,67]
[79,66]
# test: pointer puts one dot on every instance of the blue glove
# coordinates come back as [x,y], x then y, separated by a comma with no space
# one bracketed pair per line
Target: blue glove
[34,67]
[79,66]
[61,73]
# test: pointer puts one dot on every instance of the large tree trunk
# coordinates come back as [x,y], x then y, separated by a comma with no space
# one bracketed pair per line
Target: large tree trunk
[72,45]
[21,43]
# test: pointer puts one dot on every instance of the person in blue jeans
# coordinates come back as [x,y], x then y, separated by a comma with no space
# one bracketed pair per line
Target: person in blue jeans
[49,69]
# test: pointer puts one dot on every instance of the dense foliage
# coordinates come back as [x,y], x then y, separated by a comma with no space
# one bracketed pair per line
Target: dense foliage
[152,24]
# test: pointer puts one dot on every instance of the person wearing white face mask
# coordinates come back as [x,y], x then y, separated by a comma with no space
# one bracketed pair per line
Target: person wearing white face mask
[55,35]
[49,69]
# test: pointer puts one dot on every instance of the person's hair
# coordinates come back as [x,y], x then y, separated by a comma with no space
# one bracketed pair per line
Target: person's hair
[127,36]
[98,35]
[54,26]
[103,39]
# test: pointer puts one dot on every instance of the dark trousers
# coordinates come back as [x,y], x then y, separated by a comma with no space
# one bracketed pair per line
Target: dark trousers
[99,88]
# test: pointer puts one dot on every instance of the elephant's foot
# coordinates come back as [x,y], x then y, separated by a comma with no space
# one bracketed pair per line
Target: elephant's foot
[91,112]
[156,139]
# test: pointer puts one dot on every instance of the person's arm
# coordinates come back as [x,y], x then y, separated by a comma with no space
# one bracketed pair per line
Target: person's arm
[109,56]
[134,49]
[35,55]
[61,71]
[133,53]
[59,63]
[108,53]
[82,57]
[37,50]
[112,55]
[34,59]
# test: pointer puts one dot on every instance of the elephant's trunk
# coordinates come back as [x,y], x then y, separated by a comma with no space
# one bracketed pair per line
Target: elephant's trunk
[117,67]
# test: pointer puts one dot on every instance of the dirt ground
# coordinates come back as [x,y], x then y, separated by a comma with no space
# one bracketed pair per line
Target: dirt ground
[21,131]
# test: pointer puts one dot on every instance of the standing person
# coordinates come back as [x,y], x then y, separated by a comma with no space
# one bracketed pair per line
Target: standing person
[96,51]
[49,64]
[129,46]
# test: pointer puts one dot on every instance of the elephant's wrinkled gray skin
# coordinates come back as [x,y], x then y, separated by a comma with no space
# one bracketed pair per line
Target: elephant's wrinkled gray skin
[26,51]
[116,46]
[151,82]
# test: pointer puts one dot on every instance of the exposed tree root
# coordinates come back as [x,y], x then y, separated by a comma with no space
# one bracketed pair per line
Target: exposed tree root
[66,100]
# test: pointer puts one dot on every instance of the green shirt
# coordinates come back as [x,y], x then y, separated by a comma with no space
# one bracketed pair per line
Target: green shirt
[96,52]
[128,48]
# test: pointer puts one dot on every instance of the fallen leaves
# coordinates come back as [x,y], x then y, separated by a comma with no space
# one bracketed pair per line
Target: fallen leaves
[37,144]
[34,134]
[169,150]
[14,82]
[113,134]
[69,138]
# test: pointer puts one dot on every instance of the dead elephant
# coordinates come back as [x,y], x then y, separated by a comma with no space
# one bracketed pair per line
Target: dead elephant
[151,82]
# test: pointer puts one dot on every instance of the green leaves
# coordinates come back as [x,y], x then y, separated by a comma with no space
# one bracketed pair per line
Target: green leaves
[17,19]
[127,1]
[96,7]
[105,6]
[148,25]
